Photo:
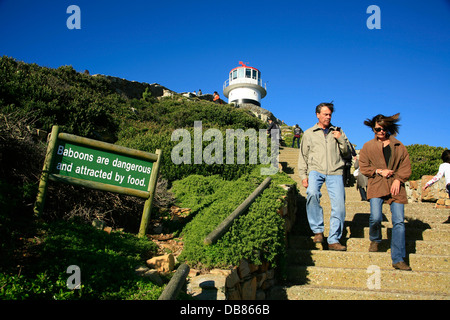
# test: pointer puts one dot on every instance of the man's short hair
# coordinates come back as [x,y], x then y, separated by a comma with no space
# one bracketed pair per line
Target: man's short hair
[329,105]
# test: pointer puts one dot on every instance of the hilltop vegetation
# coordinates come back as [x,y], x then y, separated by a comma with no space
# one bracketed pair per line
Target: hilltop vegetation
[87,106]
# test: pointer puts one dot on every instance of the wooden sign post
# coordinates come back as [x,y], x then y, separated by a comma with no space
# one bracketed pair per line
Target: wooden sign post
[99,165]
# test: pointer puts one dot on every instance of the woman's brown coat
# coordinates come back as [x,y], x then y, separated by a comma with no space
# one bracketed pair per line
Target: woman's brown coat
[371,158]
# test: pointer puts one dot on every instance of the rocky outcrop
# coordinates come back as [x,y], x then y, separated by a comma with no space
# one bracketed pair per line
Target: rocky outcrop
[259,112]
[134,89]
[436,193]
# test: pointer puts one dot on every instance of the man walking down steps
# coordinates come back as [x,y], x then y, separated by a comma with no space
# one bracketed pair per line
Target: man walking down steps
[320,161]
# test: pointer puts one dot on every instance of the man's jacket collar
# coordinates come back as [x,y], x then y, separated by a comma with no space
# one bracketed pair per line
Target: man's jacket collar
[331,127]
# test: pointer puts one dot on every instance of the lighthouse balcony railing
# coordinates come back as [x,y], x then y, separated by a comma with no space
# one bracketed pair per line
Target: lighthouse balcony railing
[244,80]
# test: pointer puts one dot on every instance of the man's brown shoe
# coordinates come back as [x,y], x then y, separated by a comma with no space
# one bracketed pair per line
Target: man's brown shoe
[337,247]
[373,246]
[402,266]
[318,238]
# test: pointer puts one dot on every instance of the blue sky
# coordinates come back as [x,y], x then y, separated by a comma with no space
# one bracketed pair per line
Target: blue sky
[308,52]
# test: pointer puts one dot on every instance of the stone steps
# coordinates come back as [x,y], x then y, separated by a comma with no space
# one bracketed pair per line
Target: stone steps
[360,259]
[407,281]
[311,292]
[412,246]
[314,272]
[358,231]
[362,244]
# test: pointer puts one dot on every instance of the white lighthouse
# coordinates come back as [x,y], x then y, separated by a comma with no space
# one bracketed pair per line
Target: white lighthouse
[244,86]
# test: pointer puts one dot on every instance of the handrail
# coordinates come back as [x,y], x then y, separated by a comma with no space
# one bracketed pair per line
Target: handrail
[225,224]
[245,80]
[174,286]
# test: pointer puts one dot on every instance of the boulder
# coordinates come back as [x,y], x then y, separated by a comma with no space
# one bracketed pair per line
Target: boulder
[163,263]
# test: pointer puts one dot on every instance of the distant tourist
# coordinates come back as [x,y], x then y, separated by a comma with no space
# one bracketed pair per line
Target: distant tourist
[320,161]
[199,92]
[348,164]
[385,161]
[216,97]
[444,171]
[297,134]
[272,126]
[361,181]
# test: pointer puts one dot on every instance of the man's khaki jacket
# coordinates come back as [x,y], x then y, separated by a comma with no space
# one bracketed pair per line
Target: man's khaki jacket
[321,153]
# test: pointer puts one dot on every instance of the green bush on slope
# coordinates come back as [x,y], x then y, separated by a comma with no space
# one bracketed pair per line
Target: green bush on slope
[257,235]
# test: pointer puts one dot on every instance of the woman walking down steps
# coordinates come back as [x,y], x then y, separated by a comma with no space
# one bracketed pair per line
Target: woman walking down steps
[385,161]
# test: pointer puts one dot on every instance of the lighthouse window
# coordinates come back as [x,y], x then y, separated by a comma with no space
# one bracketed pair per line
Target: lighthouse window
[248,73]
[254,74]
[240,73]
[234,74]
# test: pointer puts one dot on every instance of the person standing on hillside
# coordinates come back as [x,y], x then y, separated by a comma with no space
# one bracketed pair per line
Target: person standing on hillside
[216,98]
[297,134]
[320,161]
[385,161]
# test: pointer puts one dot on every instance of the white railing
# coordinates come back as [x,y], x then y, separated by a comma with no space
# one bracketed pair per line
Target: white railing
[245,80]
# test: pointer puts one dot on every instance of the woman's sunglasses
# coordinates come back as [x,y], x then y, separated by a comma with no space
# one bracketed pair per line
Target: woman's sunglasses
[379,129]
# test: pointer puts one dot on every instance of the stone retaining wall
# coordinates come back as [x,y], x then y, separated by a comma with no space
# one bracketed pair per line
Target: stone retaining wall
[436,193]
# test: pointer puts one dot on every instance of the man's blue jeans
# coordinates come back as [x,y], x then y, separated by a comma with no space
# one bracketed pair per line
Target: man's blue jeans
[398,251]
[336,191]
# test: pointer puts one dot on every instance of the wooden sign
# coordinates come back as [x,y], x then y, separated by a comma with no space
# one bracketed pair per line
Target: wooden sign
[99,165]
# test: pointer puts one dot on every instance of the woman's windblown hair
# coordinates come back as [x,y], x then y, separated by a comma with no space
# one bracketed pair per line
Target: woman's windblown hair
[388,123]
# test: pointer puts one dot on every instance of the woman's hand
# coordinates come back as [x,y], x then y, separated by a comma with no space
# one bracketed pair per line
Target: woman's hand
[395,188]
[386,173]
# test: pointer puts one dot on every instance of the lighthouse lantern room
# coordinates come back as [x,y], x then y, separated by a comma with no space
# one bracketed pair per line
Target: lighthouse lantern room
[244,85]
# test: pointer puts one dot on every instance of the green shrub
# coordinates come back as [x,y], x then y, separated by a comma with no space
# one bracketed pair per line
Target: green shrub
[79,103]
[107,263]
[257,235]
[425,160]
[160,138]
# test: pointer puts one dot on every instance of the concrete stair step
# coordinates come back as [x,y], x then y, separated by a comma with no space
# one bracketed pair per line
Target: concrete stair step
[412,246]
[362,244]
[410,234]
[354,214]
[357,210]
[359,278]
[311,292]
[352,230]
[327,258]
